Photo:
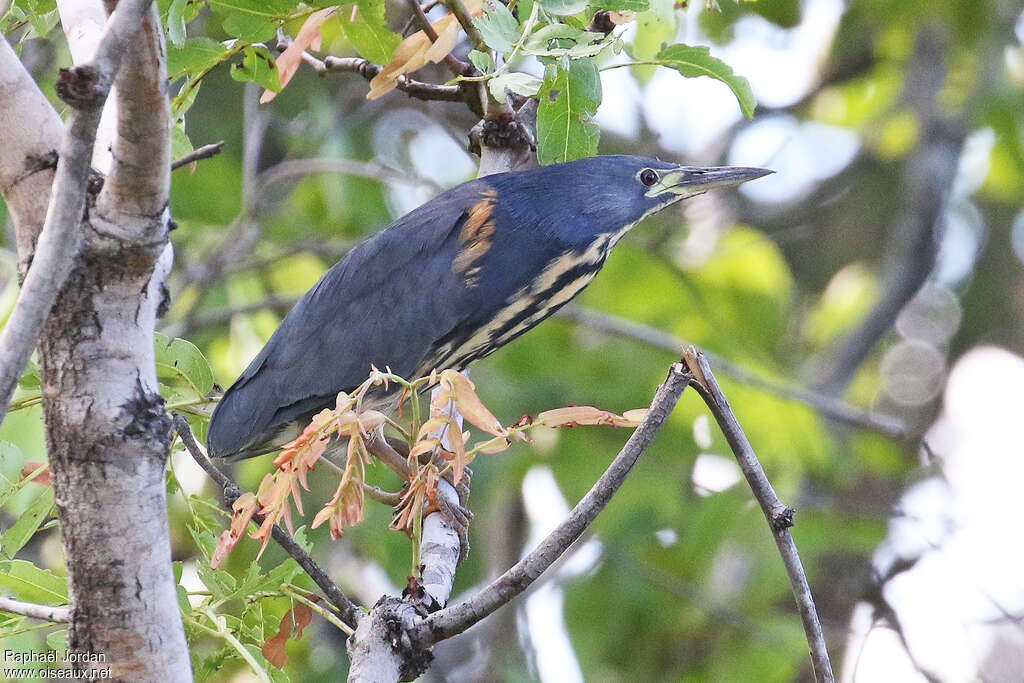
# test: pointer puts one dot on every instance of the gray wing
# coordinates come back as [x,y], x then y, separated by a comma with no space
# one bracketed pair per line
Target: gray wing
[386,303]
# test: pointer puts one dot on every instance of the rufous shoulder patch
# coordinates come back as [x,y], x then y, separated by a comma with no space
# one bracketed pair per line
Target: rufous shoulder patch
[476,237]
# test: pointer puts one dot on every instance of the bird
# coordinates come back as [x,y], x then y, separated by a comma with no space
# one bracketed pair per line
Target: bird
[447,284]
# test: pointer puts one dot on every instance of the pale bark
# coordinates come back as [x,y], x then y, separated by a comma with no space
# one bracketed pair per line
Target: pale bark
[82,22]
[108,434]
[32,132]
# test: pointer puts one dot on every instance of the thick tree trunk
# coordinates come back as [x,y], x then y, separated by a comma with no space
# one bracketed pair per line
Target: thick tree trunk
[108,437]
[108,434]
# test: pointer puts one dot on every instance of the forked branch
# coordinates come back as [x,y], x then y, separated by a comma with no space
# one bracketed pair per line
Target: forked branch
[779,516]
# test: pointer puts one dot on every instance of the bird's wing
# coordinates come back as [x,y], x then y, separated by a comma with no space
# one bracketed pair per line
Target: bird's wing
[386,303]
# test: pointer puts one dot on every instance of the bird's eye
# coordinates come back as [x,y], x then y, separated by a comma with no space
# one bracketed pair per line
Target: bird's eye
[648,177]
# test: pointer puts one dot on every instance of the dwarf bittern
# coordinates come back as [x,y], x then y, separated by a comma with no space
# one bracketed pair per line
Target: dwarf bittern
[447,284]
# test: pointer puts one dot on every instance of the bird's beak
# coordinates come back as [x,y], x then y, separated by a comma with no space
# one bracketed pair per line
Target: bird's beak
[687,181]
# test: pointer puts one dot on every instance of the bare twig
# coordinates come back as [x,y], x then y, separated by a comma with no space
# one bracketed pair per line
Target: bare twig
[85,88]
[383,451]
[60,615]
[828,405]
[458,618]
[411,87]
[347,610]
[367,69]
[779,516]
[204,152]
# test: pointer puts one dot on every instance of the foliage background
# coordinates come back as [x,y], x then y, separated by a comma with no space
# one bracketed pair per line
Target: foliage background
[675,582]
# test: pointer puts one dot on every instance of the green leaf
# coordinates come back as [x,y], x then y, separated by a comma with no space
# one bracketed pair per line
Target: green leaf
[176,22]
[28,582]
[277,9]
[15,538]
[58,640]
[257,65]
[561,40]
[654,28]
[482,61]
[30,378]
[567,101]
[369,33]
[693,61]
[43,16]
[498,27]
[564,8]
[180,144]
[250,28]
[220,582]
[519,83]
[539,40]
[195,56]
[179,360]
[621,5]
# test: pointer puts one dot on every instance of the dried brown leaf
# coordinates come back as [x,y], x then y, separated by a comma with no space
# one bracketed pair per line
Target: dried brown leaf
[573,416]
[289,60]
[463,392]
[43,478]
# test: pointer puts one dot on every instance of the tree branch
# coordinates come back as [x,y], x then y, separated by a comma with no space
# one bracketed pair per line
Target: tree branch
[456,619]
[204,152]
[826,404]
[411,87]
[28,156]
[347,610]
[82,23]
[60,615]
[779,516]
[85,88]
[367,69]
[135,193]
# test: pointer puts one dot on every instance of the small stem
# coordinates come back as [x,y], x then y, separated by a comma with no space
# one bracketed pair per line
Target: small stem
[26,402]
[527,29]
[390,498]
[243,652]
[644,62]
[417,534]
[290,592]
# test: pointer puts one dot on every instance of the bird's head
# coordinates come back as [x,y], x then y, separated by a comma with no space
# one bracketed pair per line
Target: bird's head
[614,192]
